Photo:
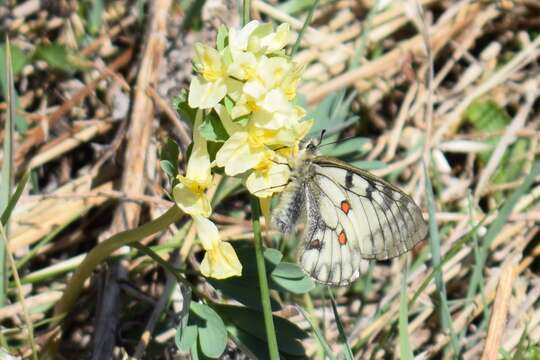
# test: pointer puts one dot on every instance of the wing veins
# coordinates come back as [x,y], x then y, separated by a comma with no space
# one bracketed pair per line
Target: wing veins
[370,201]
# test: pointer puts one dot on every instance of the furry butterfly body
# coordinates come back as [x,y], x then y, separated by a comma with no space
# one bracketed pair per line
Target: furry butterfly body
[349,215]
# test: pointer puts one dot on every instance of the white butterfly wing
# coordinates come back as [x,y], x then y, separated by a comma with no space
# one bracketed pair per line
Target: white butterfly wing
[352,215]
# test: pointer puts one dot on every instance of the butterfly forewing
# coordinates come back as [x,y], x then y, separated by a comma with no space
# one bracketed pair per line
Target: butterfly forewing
[352,214]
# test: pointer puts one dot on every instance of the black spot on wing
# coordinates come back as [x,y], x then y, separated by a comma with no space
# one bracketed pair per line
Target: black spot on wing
[314,244]
[348,179]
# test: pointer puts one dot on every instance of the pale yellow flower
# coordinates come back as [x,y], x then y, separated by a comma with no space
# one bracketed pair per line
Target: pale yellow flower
[208,89]
[253,92]
[272,71]
[243,66]
[290,81]
[269,176]
[239,39]
[190,193]
[248,147]
[264,40]
[208,63]
[276,40]
[241,152]
[220,260]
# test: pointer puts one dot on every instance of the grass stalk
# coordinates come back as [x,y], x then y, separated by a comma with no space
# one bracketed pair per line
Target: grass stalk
[263,281]
[342,336]
[6,181]
[304,27]
[27,318]
[99,254]
[435,245]
[403,323]
[496,226]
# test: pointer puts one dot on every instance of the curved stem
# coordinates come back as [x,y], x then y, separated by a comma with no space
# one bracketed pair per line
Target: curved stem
[263,281]
[101,252]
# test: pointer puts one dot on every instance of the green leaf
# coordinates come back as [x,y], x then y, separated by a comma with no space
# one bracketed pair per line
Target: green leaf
[212,129]
[185,338]
[296,286]
[487,116]
[229,104]
[18,60]
[169,169]
[221,37]
[288,270]
[58,57]
[289,277]
[368,165]
[170,152]
[95,16]
[351,147]
[332,115]
[211,329]
[180,103]
[245,289]
[242,120]
[289,335]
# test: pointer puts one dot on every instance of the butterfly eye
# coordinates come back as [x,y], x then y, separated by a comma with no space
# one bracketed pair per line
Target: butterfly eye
[311,147]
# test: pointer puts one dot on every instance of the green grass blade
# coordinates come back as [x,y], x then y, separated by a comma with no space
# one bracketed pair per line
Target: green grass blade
[342,335]
[304,27]
[435,244]
[496,226]
[6,214]
[476,249]
[6,181]
[320,338]
[403,325]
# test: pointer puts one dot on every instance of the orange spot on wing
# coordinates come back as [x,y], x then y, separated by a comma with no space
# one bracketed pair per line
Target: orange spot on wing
[345,206]
[342,238]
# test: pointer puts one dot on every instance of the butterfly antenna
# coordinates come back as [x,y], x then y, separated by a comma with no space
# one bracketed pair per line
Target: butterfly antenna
[339,141]
[323,131]
[272,187]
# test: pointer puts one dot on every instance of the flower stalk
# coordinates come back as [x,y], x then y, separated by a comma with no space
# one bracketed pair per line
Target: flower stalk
[263,281]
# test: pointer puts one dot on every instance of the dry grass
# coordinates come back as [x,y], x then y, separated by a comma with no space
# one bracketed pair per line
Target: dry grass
[97,120]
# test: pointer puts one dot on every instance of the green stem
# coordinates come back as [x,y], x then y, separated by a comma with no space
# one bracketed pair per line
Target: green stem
[263,281]
[246,7]
[101,252]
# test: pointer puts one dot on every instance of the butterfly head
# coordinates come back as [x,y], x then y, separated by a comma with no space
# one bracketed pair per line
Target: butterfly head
[312,146]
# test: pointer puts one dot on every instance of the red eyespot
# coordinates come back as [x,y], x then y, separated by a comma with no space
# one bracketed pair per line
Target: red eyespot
[345,206]
[342,238]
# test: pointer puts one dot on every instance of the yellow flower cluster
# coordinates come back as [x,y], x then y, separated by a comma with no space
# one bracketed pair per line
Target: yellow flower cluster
[249,84]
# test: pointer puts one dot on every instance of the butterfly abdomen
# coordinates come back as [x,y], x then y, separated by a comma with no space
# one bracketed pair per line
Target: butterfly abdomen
[290,208]
[292,201]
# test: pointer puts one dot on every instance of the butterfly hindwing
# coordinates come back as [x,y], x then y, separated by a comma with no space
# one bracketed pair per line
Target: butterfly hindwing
[351,214]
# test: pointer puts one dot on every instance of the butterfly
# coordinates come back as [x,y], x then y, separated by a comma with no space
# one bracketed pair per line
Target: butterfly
[349,215]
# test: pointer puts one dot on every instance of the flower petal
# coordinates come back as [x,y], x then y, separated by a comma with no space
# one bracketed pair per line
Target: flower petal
[237,156]
[276,40]
[204,94]
[238,40]
[192,203]
[221,262]
[263,183]
[207,231]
